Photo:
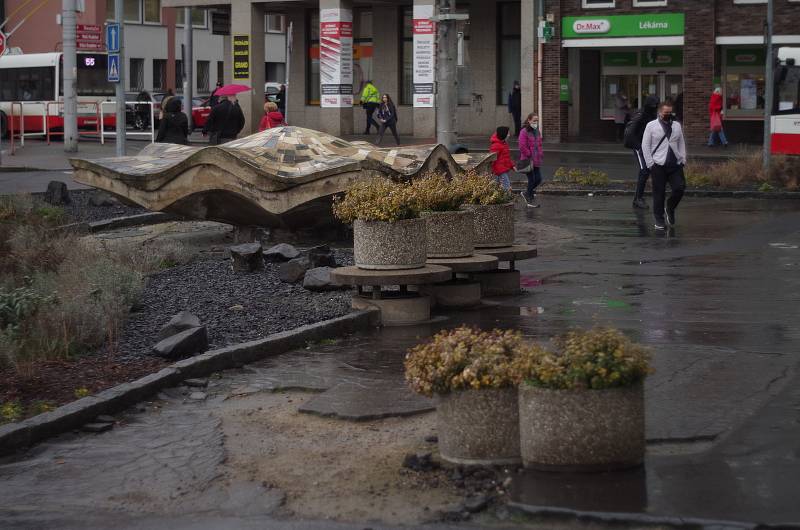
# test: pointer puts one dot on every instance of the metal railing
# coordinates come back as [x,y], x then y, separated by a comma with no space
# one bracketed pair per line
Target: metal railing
[22,134]
[49,132]
[151,133]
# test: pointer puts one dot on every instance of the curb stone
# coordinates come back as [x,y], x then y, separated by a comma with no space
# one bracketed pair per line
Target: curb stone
[73,415]
[741,194]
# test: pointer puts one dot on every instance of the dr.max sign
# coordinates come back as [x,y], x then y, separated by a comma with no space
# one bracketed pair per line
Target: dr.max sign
[652,25]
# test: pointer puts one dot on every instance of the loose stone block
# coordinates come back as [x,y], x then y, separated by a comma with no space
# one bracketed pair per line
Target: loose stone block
[294,270]
[180,322]
[189,342]
[280,253]
[248,257]
[57,193]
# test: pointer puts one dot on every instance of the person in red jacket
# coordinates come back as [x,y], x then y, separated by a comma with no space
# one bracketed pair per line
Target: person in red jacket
[502,163]
[715,117]
[272,117]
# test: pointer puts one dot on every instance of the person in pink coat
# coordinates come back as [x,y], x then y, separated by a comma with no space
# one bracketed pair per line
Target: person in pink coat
[715,115]
[530,148]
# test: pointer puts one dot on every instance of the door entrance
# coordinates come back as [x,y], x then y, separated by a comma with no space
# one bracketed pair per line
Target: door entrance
[663,85]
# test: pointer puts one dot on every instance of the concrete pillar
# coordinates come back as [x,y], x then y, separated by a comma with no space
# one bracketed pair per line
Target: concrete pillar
[248,20]
[337,120]
[527,54]
[298,69]
[424,118]
[386,65]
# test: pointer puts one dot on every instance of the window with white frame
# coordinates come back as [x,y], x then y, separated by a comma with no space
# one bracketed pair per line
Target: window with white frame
[131,9]
[199,18]
[275,23]
[152,11]
[589,4]
[649,3]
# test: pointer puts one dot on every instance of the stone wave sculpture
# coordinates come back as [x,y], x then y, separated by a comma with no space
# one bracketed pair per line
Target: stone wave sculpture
[279,177]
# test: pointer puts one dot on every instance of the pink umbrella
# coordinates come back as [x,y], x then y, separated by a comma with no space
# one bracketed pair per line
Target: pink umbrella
[231,90]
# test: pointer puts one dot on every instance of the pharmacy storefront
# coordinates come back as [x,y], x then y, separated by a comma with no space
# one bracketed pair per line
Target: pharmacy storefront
[620,60]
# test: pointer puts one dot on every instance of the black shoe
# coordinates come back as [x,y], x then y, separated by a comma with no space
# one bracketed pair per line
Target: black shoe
[660,225]
[639,203]
[669,216]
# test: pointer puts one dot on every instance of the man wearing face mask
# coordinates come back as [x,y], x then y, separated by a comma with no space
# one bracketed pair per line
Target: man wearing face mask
[664,150]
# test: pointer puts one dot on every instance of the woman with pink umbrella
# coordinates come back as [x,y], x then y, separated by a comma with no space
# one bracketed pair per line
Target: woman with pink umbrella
[226,118]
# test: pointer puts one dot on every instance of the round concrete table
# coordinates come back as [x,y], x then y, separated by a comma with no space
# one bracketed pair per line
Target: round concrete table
[474,263]
[512,254]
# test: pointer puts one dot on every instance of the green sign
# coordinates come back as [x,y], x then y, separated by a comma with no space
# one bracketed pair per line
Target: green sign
[563,89]
[620,59]
[745,56]
[599,26]
[662,58]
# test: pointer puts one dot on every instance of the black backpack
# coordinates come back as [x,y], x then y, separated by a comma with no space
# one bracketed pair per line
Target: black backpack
[634,129]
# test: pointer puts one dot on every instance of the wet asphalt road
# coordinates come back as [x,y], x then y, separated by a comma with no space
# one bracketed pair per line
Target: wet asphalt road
[716,299]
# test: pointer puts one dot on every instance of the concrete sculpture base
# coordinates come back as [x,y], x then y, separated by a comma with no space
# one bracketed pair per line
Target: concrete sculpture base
[455,293]
[498,283]
[397,310]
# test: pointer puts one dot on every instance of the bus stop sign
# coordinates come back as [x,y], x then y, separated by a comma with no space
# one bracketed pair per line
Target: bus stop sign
[2,43]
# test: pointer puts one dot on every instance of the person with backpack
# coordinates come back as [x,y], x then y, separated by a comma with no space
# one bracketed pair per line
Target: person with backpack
[530,157]
[502,163]
[634,131]
[272,117]
[664,149]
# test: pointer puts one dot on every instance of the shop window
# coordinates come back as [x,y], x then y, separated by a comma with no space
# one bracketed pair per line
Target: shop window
[137,75]
[152,11]
[276,72]
[312,65]
[362,51]
[199,18]
[649,3]
[743,85]
[508,49]
[203,76]
[160,74]
[130,9]
[597,3]
[618,90]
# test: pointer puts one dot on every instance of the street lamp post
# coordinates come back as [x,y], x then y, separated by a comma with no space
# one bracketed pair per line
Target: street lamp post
[769,89]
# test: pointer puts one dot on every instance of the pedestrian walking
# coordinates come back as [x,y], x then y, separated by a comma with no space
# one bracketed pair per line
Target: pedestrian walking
[715,114]
[142,117]
[515,107]
[214,98]
[664,149]
[622,113]
[530,157]
[502,163]
[634,131]
[272,117]
[387,117]
[174,126]
[370,101]
[224,122]
[280,99]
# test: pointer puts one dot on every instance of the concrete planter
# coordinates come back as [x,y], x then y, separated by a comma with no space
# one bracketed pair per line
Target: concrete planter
[450,234]
[378,245]
[479,427]
[494,224]
[582,430]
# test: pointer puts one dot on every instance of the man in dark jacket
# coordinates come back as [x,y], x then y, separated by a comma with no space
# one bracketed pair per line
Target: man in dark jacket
[224,122]
[515,107]
[634,132]
[214,99]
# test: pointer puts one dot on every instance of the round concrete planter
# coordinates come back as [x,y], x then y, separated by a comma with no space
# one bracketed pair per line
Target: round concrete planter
[582,430]
[479,427]
[450,234]
[379,245]
[494,224]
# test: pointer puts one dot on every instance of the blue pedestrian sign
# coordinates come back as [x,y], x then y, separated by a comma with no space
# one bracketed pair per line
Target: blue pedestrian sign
[112,38]
[113,68]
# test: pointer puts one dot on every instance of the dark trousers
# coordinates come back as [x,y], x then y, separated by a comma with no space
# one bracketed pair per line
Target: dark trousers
[662,175]
[644,173]
[382,129]
[534,179]
[517,121]
[370,110]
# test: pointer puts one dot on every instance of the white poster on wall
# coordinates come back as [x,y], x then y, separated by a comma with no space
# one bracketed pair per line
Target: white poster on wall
[424,35]
[336,57]
[748,94]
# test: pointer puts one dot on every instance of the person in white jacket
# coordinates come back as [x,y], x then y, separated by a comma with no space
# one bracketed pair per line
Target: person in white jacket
[664,150]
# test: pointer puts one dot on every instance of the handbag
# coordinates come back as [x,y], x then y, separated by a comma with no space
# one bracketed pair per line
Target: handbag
[716,122]
[524,166]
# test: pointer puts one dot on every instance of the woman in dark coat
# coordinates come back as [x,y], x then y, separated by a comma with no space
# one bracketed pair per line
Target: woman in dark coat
[387,117]
[174,127]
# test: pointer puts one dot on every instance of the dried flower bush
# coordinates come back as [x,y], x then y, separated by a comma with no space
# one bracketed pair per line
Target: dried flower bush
[480,189]
[463,358]
[434,192]
[595,359]
[376,200]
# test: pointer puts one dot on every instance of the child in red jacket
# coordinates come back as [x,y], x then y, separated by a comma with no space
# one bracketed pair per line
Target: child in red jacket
[503,163]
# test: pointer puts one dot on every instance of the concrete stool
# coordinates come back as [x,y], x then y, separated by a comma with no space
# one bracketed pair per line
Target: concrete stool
[459,292]
[503,282]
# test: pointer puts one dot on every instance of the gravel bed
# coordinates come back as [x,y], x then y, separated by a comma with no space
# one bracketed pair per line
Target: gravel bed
[234,307]
[81,210]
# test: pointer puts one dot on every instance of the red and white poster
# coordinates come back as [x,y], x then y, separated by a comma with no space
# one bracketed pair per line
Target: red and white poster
[424,35]
[336,57]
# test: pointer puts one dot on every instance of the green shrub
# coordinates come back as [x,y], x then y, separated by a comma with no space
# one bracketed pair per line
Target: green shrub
[581,177]
[376,200]
[10,411]
[480,189]
[434,192]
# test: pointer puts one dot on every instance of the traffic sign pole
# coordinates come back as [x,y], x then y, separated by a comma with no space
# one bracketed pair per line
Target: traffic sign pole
[114,42]
[68,21]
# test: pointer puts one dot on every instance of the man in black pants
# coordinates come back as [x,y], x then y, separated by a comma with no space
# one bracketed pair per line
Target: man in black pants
[664,150]
[634,131]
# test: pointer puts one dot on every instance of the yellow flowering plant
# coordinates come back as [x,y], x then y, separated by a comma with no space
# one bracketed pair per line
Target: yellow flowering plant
[481,189]
[434,192]
[463,358]
[376,200]
[595,359]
